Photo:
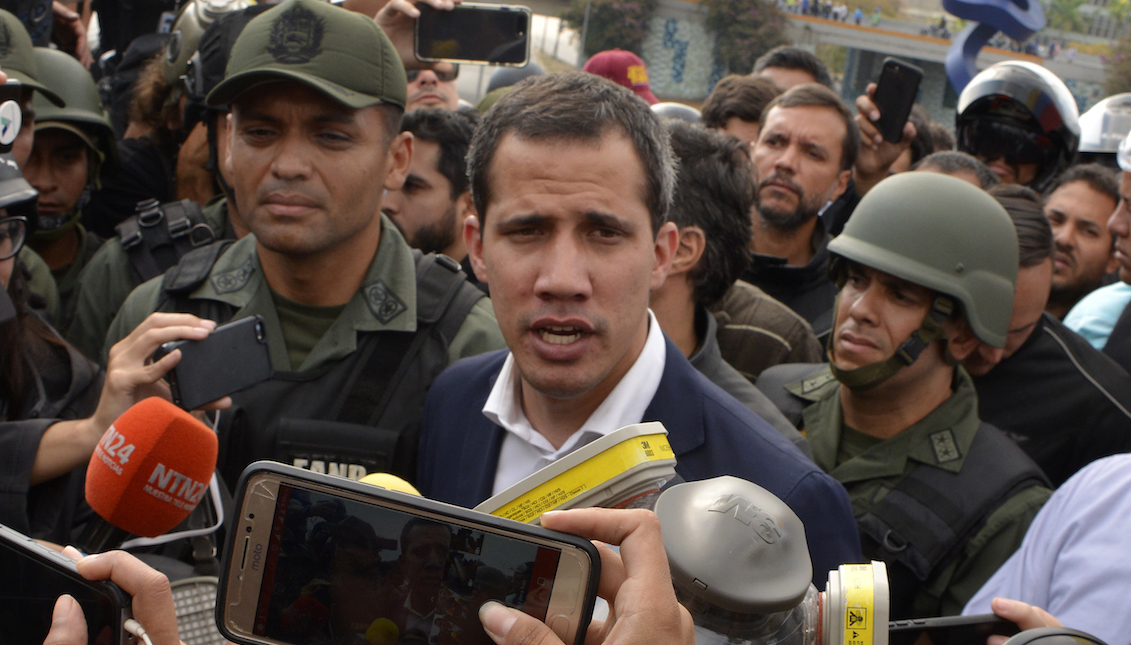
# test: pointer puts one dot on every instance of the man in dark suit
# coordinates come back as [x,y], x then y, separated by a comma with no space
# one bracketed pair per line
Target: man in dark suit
[572,178]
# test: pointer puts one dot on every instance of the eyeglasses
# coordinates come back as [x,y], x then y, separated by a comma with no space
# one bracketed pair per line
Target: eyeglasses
[993,139]
[13,231]
[444,77]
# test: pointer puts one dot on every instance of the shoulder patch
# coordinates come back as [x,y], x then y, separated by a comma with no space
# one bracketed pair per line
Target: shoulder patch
[235,279]
[382,302]
[945,447]
[816,383]
[296,37]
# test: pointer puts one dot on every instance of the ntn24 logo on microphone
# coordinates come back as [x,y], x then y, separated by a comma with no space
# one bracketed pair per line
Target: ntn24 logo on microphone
[176,488]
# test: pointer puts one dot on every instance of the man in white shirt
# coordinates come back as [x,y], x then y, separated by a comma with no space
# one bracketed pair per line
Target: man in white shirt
[572,177]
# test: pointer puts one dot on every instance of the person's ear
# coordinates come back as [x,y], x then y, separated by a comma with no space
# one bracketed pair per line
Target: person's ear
[961,341]
[473,239]
[841,184]
[465,206]
[399,160]
[667,241]
[692,243]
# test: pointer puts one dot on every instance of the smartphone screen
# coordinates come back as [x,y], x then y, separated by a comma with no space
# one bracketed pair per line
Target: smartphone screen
[485,34]
[338,570]
[29,588]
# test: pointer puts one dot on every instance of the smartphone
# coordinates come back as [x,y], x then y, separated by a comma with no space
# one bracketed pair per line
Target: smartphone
[492,34]
[234,357]
[34,576]
[952,630]
[313,558]
[895,95]
[11,114]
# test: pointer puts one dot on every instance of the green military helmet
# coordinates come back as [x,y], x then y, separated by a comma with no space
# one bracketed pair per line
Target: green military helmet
[195,17]
[67,77]
[17,196]
[16,59]
[943,234]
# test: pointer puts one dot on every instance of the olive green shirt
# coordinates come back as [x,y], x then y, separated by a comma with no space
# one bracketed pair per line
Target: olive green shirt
[106,282]
[386,301]
[67,278]
[40,282]
[941,439]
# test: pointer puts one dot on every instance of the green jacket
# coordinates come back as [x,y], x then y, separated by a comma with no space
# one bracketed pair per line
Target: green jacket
[942,439]
[40,282]
[106,282]
[67,279]
[386,301]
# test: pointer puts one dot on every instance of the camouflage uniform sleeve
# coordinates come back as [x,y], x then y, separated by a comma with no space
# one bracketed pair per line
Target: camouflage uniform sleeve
[102,288]
[480,333]
[991,547]
[141,302]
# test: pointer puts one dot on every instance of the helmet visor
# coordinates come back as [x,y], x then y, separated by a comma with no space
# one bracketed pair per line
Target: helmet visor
[991,139]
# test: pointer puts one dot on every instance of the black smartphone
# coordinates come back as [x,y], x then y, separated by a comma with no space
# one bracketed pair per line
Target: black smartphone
[33,576]
[952,630]
[491,34]
[314,558]
[895,95]
[11,115]
[234,357]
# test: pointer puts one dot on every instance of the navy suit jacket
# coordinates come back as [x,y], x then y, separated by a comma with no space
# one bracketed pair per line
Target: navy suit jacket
[711,433]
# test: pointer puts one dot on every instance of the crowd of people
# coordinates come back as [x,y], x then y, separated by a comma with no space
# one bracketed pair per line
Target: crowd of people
[921,346]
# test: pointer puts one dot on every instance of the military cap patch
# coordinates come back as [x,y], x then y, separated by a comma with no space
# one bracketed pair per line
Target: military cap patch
[945,447]
[296,37]
[233,280]
[382,302]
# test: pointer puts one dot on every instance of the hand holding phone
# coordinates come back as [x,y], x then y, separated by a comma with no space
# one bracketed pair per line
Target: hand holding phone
[636,582]
[895,96]
[313,557]
[233,357]
[490,34]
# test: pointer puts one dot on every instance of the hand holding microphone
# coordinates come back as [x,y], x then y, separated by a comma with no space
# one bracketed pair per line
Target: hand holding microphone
[130,378]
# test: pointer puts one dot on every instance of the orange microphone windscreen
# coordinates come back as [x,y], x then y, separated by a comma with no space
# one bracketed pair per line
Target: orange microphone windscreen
[151,468]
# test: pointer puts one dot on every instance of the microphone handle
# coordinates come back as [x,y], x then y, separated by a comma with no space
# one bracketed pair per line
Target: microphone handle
[99,536]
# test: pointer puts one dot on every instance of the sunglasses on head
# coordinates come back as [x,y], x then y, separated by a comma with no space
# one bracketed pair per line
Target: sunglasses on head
[444,77]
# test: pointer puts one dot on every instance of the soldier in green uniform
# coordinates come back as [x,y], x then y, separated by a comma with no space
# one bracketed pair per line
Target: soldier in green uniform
[927,267]
[72,144]
[357,325]
[152,241]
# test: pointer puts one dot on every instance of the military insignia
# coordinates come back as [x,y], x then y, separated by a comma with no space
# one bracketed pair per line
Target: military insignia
[5,40]
[233,280]
[296,37]
[945,447]
[383,303]
[817,382]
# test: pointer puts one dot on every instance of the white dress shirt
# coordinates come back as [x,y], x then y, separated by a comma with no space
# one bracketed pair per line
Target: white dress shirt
[525,451]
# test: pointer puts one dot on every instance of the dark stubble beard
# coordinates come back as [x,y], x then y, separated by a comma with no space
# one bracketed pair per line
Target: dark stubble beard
[438,235]
[786,221]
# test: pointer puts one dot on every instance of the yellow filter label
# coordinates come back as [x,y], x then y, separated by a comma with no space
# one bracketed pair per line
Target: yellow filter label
[587,475]
[859,603]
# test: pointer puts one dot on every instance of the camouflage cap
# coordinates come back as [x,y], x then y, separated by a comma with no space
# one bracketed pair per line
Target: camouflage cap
[342,54]
[16,56]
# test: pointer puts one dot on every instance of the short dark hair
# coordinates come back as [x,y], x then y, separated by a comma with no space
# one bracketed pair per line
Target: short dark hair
[922,145]
[952,161]
[714,191]
[1034,233]
[744,97]
[941,136]
[575,107]
[452,131]
[813,95]
[788,57]
[1099,178]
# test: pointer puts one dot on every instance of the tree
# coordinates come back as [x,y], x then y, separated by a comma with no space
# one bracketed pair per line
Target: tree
[1120,11]
[612,24]
[1118,67]
[1065,15]
[745,29]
